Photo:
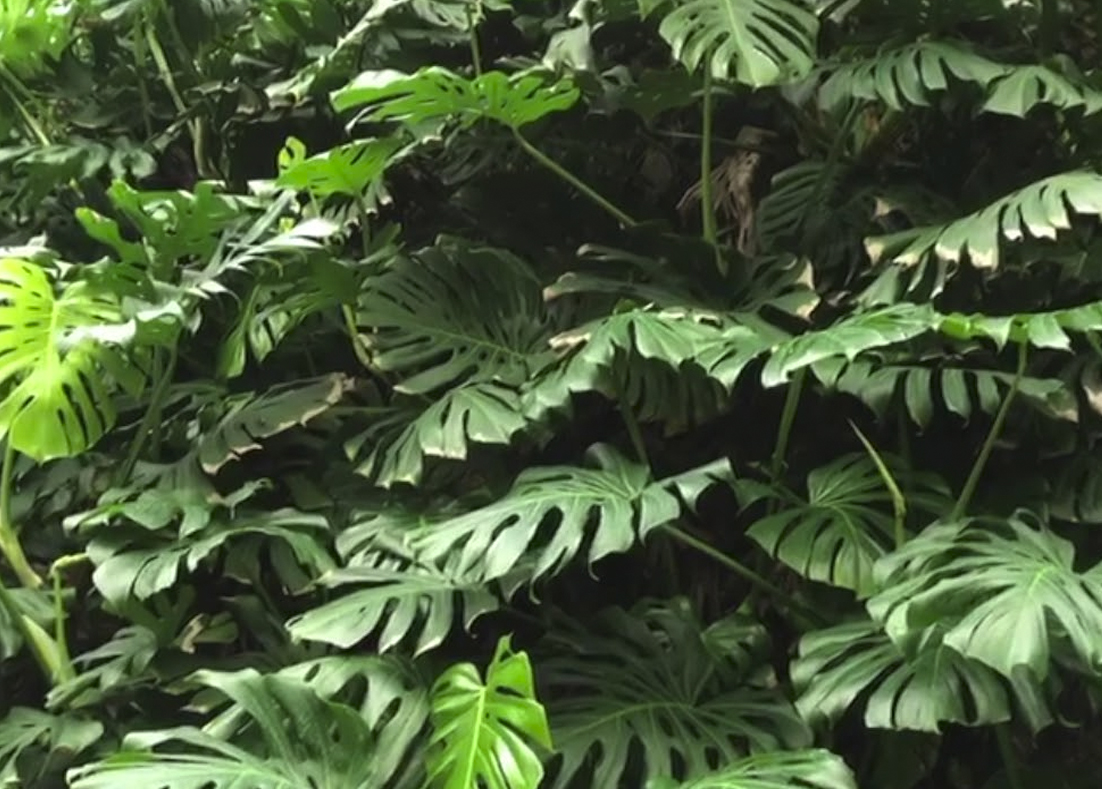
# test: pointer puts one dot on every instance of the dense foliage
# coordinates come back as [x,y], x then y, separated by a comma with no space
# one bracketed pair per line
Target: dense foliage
[507,394]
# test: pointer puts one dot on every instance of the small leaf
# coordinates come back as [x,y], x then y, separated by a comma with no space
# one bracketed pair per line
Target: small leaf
[483,734]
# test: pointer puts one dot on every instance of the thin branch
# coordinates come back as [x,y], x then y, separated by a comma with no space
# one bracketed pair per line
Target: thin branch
[973,480]
[573,180]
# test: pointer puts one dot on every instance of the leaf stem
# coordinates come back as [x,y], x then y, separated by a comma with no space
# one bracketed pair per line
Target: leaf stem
[573,180]
[9,540]
[974,475]
[19,620]
[899,503]
[632,424]
[788,416]
[707,200]
[150,418]
[61,639]
[472,38]
[742,571]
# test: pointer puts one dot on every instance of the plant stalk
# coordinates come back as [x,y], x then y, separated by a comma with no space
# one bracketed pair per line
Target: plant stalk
[707,199]
[899,503]
[10,545]
[573,180]
[150,419]
[61,639]
[988,447]
[788,417]
[632,424]
[19,620]
[742,571]
[472,38]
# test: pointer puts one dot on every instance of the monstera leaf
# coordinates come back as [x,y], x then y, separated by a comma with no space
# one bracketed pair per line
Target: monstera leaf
[351,169]
[555,513]
[452,313]
[303,740]
[401,600]
[484,733]
[1026,87]
[59,354]
[931,391]
[27,736]
[484,412]
[836,535]
[909,75]
[928,685]
[1008,591]
[658,685]
[390,694]
[251,418]
[434,94]
[853,335]
[33,32]
[758,42]
[1038,210]
[811,769]
[139,561]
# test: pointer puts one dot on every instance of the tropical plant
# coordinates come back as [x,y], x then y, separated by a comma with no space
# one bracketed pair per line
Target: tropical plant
[404,394]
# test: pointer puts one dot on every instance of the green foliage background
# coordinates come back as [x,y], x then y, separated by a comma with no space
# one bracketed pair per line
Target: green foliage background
[518,394]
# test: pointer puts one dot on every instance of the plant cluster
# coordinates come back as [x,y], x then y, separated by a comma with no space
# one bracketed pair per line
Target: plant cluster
[517,394]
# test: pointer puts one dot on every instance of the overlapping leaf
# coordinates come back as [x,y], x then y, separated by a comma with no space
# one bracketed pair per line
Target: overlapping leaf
[555,514]
[909,75]
[304,741]
[250,419]
[813,769]
[659,684]
[1039,210]
[844,526]
[398,444]
[1008,594]
[920,689]
[452,313]
[58,356]
[402,601]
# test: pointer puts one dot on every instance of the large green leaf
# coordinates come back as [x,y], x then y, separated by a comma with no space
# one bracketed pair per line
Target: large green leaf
[452,313]
[929,392]
[1007,592]
[30,736]
[920,688]
[398,599]
[660,686]
[351,169]
[390,694]
[758,42]
[484,732]
[553,514]
[140,561]
[34,32]
[808,769]
[251,418]
[853,335]
[59,356]
[1039,210]
[844,525]
[304,741]
[435,94]
[484,412]
[1026,87]
[909,75]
